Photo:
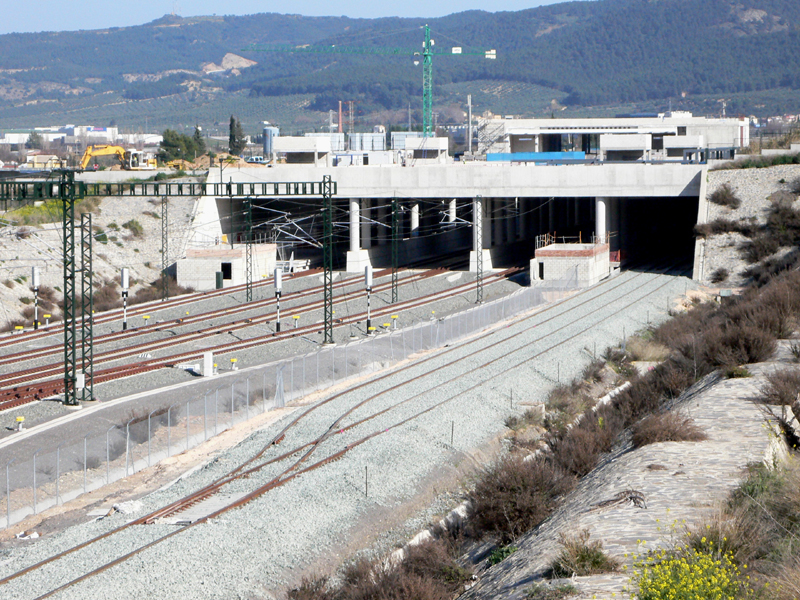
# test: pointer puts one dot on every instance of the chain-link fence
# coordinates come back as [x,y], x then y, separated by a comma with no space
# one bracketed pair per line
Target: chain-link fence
[56,476]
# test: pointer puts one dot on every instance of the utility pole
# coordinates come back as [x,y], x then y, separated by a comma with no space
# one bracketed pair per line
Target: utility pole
[395,248]
[427,83]
[67,196]
[248,241]
[87,308]
[164,248]
[327,257]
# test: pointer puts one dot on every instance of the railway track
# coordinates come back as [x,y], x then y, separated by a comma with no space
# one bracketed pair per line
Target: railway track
[504,342]
[20,388]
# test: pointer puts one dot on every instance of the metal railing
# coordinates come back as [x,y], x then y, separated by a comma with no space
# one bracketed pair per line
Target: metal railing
[53,476]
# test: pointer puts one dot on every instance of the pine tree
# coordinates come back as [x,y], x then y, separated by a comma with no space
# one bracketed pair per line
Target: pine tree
[236,141]
[199,141]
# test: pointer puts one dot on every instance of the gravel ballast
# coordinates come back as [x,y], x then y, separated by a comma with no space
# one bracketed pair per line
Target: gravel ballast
[255,550]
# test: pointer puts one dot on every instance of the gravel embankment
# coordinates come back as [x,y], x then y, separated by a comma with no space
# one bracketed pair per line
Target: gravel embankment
[255,550]
[753,187]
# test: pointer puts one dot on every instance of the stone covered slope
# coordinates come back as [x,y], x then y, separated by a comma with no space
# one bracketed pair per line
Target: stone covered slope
[21,248]
[680,482]
[753,187]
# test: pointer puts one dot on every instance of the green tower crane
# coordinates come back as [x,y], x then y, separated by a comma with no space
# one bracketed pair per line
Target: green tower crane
[426,55]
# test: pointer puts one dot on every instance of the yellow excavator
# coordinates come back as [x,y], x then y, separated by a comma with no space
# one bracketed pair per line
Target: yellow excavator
[131,160]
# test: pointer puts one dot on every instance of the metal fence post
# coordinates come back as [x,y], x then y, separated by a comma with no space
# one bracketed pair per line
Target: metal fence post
[247,399]
[127,446]
[169,431]
[232,404]
[291,379]
[187,425]
[205,416]
[216,398]
[8,494]
[34,481]
[345,360]
[85,457]
[149,436]
[108,456]
[58,470]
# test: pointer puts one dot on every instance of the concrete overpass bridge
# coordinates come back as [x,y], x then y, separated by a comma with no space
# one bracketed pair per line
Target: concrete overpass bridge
[646,210]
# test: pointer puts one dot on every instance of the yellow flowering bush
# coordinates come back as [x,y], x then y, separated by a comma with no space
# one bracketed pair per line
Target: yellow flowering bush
[689,574]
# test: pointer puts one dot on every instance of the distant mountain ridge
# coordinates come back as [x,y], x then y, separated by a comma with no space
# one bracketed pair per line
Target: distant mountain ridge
[593,53]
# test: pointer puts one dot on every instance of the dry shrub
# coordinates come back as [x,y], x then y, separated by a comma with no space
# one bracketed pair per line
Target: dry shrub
[760,523]
[571,399]
[515,495]
[785,583]
[578,450]
[718,226]
[646,350]
[428,573]
[666,427]
[313,588]
[593,372]
[720,275]
[737,345]
[759,248]
[781,387]
[107,297]
[10,325]
[580,557]
[725,196]
[153,291]
[762,273]
[794,186]
[782,199]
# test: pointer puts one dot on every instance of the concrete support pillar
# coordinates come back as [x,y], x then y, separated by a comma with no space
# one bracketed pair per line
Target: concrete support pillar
[601,206]
[481,226]
[366,223]
[414,220]
[357,258]
[451,211]
[355,225]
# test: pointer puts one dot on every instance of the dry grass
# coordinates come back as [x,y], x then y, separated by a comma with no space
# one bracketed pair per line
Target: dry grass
[666,427]
[781,387]
[646,350]
[580,557]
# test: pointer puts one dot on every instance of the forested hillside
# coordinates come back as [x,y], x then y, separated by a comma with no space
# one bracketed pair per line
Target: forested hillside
[578,54]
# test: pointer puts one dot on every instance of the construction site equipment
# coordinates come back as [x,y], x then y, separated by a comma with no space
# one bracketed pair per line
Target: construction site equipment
[131,160]
[426,57]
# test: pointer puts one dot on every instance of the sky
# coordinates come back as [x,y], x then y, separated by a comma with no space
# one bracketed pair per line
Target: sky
[66,15]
